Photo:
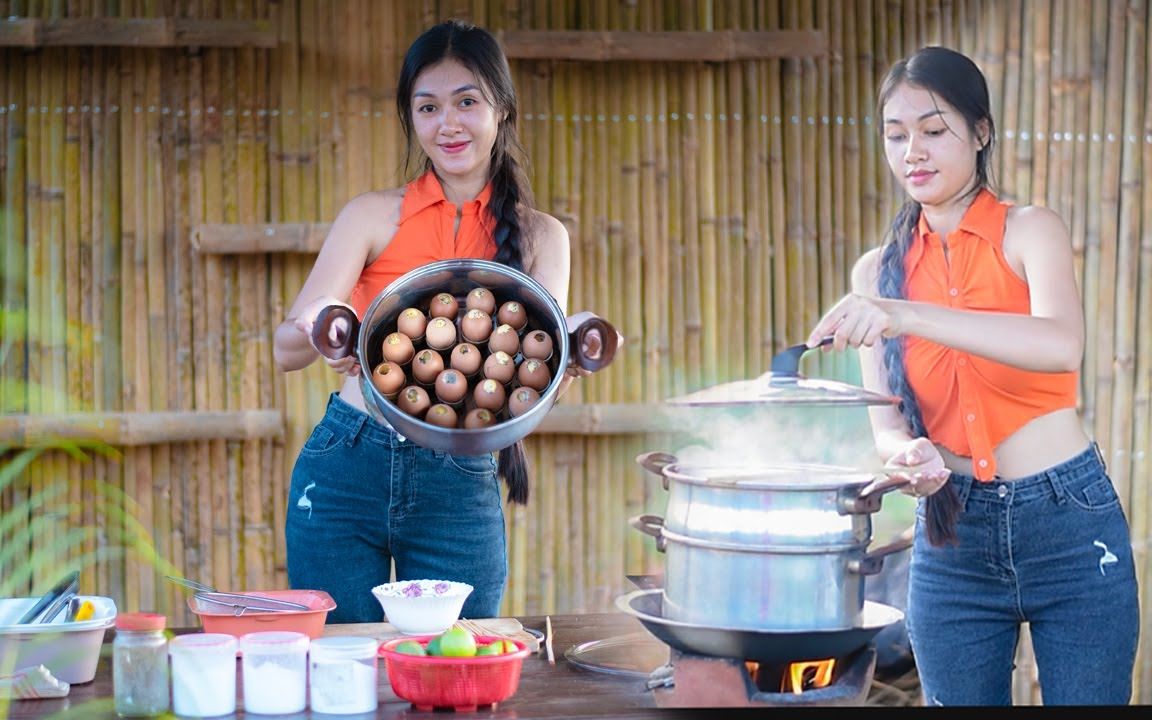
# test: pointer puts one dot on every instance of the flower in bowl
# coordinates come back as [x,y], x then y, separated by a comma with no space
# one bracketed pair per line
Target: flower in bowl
[422,606]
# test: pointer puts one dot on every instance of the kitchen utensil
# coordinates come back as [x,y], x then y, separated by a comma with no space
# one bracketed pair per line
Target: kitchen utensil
[761,646]
[420,607]
[239,602]
[191,584]
[786,363]
[634,655]
[53,600]
[218,618]
[590,345]
[70,650]
[461,683]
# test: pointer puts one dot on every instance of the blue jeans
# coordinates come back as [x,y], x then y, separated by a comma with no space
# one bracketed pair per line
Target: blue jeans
[1051,549]
[362,496]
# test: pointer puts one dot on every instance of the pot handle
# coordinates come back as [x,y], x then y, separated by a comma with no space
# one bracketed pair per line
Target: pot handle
[651,525]
[655,462]
[335,331]
[873,560]
[869,498]
[593,341]
[786,363]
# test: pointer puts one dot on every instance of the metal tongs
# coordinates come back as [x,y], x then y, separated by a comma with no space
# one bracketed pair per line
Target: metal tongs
[49,606]
[238,602]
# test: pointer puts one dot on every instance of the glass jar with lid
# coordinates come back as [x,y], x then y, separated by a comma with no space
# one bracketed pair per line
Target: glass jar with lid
[140,665]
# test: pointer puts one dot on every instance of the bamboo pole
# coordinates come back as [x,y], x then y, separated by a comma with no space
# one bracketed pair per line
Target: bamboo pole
[1010,132]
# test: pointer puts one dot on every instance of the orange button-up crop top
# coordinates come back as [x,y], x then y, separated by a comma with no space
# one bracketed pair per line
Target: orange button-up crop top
[971,404]
[425,234]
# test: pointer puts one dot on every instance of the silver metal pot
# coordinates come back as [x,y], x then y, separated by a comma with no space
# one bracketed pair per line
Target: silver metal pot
[780,548]
[415,289]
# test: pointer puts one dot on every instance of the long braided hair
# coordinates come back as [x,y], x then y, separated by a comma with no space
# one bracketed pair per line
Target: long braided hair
[957,80]
[476,49]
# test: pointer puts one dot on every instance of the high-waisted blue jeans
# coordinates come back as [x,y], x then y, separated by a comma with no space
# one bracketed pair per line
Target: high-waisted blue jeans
[1051,549]
[362,496]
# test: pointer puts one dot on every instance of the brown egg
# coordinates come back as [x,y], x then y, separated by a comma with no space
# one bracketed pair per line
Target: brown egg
[441,333]
[476,326]
[537,344]
[479,418]
[398,348]
[451,386]
[481,299]
[489,394]
[444,305]
[512,314]
[521,399]
[504,339]
[388,377]
[442,415]
[412,322]
[414,400]
[534,373]
[427,365]
[500,366]
[465,358]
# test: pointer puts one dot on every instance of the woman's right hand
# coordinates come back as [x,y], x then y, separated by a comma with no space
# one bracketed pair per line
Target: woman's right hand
[306,321]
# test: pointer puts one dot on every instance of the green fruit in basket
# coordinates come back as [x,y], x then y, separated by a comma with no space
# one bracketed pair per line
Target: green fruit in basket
[410,647]
[433,646]
[457,642]
[497,647]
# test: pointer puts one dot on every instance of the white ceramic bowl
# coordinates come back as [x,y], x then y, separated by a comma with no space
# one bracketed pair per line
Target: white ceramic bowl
[70,650]
[422,607]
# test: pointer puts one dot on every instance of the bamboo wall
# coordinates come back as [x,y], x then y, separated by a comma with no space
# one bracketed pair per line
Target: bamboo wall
[715,209]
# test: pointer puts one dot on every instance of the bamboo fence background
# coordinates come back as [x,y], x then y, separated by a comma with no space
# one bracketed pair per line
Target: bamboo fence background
[715,208]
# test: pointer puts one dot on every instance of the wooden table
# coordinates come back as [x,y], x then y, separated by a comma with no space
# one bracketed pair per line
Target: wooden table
[562,690]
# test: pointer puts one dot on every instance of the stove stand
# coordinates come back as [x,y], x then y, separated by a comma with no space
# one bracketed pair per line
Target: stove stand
[699,681]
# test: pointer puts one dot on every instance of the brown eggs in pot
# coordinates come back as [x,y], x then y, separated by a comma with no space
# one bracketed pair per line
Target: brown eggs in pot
[512,314]
[521,400]
[441,415]
[451,386]
[388,378]
[398,348]
[478,418]
[504,339]
[414,400]
[481,299]
[537,344]
[412,322]
[444,305]
[465,358]
[489,395]
[500,366]
[440,334]
[534,374]
[427,365]
[476,326]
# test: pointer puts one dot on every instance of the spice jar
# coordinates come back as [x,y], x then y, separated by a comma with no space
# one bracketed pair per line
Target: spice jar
[342,675]
[274,671]
[140,665]
[203,674]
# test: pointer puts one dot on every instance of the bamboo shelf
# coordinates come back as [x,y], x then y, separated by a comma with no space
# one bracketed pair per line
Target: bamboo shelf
[136,32]
[141,428]
[236,238]
[685,46]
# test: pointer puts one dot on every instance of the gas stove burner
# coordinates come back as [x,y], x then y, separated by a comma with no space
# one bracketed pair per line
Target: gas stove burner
[764,646]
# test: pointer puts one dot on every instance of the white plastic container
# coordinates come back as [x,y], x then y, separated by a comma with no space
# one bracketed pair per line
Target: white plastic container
[203,674]
[70,650]
[343,675]
[274,672]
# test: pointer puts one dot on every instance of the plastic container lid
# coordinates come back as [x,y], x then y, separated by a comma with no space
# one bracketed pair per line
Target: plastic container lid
[199,643]
[273,642]
[344,648]
[140,621]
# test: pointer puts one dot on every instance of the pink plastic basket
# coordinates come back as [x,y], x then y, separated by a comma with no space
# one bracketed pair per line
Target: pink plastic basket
[461,684]
[310,622]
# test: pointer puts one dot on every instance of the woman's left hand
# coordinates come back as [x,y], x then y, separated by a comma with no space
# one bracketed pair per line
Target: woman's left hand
[920,463]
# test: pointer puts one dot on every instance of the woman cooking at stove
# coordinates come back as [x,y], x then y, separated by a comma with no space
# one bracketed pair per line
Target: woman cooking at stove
[360,495]
[969,312]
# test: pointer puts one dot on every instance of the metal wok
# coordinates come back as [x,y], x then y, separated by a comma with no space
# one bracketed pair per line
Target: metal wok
[647,606]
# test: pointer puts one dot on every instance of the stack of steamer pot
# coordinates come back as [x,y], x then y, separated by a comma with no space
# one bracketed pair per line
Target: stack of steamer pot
[769,545]
[338,333]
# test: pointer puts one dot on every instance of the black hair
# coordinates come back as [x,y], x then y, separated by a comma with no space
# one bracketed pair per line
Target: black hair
[477,49]
[954,78]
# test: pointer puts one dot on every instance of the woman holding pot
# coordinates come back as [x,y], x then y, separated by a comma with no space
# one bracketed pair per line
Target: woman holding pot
[361,496]
[969,312]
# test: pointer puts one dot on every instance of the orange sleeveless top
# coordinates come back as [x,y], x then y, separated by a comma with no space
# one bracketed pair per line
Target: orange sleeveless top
[971,404]
[425,234]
